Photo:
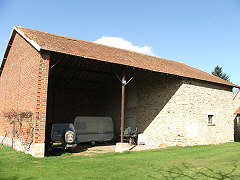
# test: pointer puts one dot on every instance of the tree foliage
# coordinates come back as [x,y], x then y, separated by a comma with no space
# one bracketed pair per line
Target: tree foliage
[219,73]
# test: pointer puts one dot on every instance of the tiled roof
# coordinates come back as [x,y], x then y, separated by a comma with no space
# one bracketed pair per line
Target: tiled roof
[237,111]
[76,47]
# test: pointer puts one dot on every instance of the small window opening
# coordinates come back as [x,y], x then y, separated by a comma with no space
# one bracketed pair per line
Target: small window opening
[211,120]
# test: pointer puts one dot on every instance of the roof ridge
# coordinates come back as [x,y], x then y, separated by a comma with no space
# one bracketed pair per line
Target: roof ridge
[70,38]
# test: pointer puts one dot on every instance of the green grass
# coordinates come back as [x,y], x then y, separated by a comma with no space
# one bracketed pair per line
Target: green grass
[199,162]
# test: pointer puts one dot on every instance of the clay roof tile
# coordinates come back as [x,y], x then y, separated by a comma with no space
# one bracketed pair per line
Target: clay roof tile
[76,47]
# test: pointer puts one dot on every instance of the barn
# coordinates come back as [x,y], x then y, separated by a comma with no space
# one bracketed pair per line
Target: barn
[47,78]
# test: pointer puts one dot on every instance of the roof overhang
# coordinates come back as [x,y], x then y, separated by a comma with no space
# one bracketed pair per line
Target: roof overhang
[33,43]
[13,33]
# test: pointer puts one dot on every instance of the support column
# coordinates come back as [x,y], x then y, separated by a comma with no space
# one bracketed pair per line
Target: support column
[122,107]
[38,146]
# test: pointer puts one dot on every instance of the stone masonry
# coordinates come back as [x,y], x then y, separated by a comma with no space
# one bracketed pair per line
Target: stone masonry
[174,112]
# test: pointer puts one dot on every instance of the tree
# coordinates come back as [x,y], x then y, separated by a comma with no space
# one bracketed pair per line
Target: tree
[219,73]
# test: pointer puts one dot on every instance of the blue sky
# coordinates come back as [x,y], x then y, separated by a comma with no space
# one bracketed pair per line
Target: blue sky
[202,33]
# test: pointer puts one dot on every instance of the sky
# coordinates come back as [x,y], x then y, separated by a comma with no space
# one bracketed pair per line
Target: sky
[202,34]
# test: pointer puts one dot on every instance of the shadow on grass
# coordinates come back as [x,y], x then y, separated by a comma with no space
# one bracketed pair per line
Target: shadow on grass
[55,152]
[16,178]
[9,178]
[187,172]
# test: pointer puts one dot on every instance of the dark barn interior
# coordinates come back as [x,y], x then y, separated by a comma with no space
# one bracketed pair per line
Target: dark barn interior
[85,87]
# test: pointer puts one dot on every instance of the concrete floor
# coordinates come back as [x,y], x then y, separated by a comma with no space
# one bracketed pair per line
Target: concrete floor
[89,150]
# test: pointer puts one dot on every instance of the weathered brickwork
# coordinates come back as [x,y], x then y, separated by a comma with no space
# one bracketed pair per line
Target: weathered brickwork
[174,112]
[24,82]
[68,104]
[41,106]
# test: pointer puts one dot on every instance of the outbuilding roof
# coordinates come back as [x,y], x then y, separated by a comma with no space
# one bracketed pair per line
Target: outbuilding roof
[51,42]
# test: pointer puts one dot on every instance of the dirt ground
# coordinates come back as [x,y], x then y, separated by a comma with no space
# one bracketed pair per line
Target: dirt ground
[89,150]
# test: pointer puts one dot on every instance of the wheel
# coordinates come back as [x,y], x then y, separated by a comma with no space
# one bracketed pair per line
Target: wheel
[93,143]
[70,137]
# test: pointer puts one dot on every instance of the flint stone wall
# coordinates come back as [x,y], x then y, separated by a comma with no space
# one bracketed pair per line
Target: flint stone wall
[174,112]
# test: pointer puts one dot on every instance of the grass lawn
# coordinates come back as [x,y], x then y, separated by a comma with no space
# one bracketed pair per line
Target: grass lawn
[198,162]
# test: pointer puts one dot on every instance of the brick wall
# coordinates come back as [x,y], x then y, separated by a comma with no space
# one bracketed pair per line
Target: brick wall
[68,104]
[42,88]
[24,82]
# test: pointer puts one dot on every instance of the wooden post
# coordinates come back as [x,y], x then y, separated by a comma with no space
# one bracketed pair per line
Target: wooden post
[122,108]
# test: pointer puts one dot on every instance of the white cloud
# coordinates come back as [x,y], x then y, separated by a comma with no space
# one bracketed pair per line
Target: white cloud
[123,44]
